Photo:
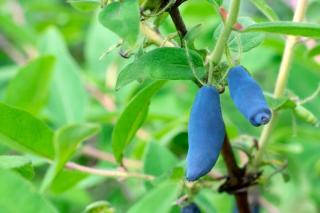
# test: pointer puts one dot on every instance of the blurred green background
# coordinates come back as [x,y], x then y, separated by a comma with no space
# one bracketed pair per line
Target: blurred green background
[81,89]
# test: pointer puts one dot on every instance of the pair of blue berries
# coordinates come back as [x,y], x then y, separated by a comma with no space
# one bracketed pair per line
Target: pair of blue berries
[206,129]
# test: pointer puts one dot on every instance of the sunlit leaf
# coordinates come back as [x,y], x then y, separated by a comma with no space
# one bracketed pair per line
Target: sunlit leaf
[287,28]
[123,18]
[20,130]
[158,159]
[164,195]
[29,89]
[17,163]
[18,195]
[132,118]
[84,5]
[68,99]
[162,64]
[265,9]
[66,142]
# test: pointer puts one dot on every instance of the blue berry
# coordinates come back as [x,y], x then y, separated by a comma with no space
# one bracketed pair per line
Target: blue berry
[206,132]
[248,97]
[191,208]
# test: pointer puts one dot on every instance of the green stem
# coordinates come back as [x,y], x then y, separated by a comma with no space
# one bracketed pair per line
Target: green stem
[282,79]
[216,55]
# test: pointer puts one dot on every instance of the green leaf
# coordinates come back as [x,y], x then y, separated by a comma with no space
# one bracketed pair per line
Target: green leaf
[159,200]
[95,45]
[18,33]
[67,139]
[162,64]
[99,207]
[30,87]
[20,130]
[247,41]
[18,195]
[17,163]
[158,160]
[132,118]
[66,142]
[287,28]
[68,98]
[84,5]
[315,51]
[65,180]
[123,18]
[265,9]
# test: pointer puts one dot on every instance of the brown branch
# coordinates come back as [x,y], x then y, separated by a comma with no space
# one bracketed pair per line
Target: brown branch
[236,174]
[178,22]
[154,36]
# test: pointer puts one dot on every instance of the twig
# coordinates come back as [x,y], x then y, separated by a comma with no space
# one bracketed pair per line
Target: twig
[235,174]
[17,12]
[282,78]
[154,36]
[95,153]
[106,101]
[178,22]
[11,51]
[107,173]
[312,96]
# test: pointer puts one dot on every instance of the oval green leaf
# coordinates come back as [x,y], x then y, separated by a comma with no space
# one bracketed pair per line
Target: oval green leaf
[29,89]
[18,195]
[84,5]
[162,64]
[20,164]
[263,6]
[122,18]
[287,28]
[158,200]
[21,131]
[132,118]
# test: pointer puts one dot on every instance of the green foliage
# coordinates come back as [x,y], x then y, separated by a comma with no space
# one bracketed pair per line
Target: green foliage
[315,51]
[32,96]
[20,130]
[158,160]
[132,118]
[265,9]
[242,41]
[162,64]
[68,98]
[14,201]
[164,194]
[68,68]
[66,141]
[285,27]
[84,5]
[17,163]
[123,19]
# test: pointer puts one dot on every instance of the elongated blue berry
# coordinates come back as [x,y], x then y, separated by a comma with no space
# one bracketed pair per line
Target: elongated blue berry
[206,133]
[191,208]
[248,97]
